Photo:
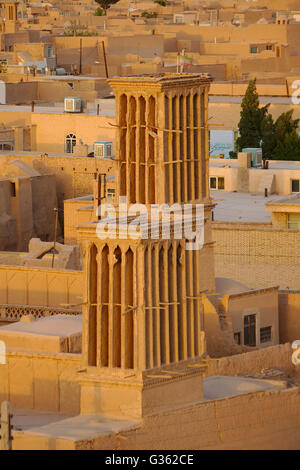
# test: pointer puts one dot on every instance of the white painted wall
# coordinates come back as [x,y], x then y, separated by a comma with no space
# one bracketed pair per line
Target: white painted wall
[2,92]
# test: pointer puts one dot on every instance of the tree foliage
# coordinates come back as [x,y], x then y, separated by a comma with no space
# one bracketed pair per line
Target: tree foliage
[278,140]
[106,4]
[99,12]
[162,3]
[287,138]
[252,117]
[3,67]
[149,14]
[268,137]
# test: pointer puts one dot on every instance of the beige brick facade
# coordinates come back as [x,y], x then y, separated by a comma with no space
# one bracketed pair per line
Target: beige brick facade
[257,255]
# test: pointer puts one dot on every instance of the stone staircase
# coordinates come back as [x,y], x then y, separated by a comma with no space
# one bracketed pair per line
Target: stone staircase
[225,322]
[267,180]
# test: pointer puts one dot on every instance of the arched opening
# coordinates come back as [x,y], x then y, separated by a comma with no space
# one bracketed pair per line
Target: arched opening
[151,159]
[128,318]
[93,299]
[122,150]
[142,148]
[132,156]
[70,143]
[104,325]
[116,317]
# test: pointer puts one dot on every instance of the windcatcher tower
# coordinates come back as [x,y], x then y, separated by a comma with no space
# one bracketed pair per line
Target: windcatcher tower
[9,16]
[143,332]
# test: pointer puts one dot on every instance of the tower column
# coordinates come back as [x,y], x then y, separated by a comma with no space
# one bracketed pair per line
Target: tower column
[86,302]
[165,309]
[157,311]
[127,150]
[124,308]
[114,308]
[206,148]
[174,334]
[184,334]
[199,163]
[138,149]
[193,151]
[148,308]
[190,303]
[141,320]
[185,156]
[178,156]
[147,157]
[198,304]
[170,165]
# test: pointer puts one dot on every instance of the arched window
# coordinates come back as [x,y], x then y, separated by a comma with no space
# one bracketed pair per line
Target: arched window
[70,143]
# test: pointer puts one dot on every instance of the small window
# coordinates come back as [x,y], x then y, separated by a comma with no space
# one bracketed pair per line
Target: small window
[253,50]
[295,186]
[70,143]
[13,189]
[179,19]
[217,182]
[108,150]
[269,47]
[213,182]
[99,150]
[221,183]
[265,334]
[110,195]
[293,221]
[237,338]
[10,13]
[250,330]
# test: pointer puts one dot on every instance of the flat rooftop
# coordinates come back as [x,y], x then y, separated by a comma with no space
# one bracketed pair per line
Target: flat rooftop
[42,109]
[238,99]
[242,207]
[35,424]
[161,77]
[219,386]
[29,153]
[69,78]
[293,199]
[55,333]
[273,164]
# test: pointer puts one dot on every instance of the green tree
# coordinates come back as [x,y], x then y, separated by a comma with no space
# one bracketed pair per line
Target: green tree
[106,4]
[285,124]
[289,147]
[278,140]
[3,67]
[149,14]
[268,137]
[287,138]
[252,117]
[99,12]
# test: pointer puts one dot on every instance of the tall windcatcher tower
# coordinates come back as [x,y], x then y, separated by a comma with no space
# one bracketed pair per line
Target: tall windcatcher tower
[143,332]
[162,142]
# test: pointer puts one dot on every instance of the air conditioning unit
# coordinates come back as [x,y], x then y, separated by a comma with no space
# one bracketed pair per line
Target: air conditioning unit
[256,155]
[72,105]
[259,157]
[103,149]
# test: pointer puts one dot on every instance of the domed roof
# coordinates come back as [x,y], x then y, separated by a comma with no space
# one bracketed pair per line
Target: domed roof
[225,286]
